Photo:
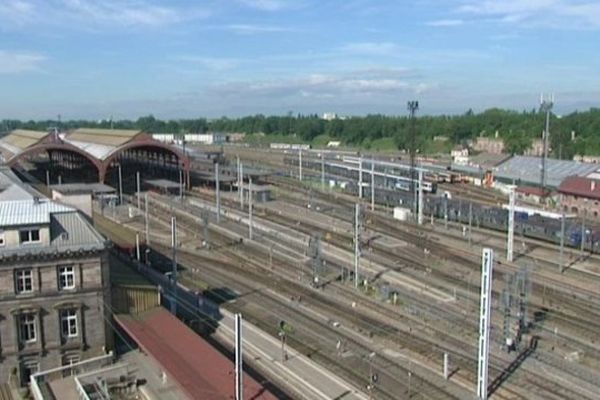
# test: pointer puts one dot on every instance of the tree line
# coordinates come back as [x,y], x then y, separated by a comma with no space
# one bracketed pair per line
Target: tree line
[517,129]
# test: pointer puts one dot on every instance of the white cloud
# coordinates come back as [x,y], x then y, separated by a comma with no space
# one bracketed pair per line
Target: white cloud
[16,62]
[446,22]
[566,14]
[268,5]
[370,48]
[249,29]
[212,63]
[16,12]
[90,14]
[129,13]
[355,84]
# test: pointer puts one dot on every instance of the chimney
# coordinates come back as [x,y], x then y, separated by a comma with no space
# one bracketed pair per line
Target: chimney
[592,185]
[496,135]
[572,136]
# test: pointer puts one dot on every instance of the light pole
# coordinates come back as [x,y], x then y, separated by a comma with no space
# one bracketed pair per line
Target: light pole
[218,192]
[137,181]
[120,185]
[372,377]
[545,106]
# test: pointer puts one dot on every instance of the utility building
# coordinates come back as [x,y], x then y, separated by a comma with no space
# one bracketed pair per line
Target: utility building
[53,284]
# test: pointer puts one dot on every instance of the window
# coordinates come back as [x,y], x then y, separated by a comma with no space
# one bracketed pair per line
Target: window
[24,281]
[66,278]
[70,359]
[68,323]
[28,368]
[29,235]
[27,332]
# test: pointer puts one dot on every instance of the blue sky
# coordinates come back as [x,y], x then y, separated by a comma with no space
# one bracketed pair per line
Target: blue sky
[126,58]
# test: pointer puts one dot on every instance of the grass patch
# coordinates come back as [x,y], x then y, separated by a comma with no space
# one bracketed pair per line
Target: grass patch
[259,139]
[385,144]
[321,141]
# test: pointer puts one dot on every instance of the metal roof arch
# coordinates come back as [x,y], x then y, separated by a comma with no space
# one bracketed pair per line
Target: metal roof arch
[59,146]
[182,157]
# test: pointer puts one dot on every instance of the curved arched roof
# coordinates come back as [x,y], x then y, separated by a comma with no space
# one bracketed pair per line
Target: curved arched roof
[99,146]
[19,140]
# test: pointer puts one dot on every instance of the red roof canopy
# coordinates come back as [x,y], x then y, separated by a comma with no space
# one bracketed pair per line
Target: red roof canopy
[199,369]
[580,186]
[530,190]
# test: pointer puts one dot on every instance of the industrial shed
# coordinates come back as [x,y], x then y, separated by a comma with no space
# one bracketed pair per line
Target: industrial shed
[528,170]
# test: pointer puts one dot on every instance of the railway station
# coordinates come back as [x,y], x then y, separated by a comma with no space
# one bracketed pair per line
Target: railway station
[93,155]
[275,255]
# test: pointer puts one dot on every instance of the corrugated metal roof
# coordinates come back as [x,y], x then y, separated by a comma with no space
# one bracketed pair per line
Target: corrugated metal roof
[28,212]
[108,137]
[528,169]
[23,138]
[14,192]
[78,230]
[20,139]
[99,151]
[93,188]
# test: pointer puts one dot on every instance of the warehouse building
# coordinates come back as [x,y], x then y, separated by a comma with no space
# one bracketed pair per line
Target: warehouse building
[524,170]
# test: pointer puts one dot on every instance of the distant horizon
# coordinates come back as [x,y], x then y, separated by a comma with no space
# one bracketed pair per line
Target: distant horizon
[294,115]
[178,59]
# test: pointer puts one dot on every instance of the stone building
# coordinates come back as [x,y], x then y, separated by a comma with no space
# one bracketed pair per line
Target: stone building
[579,194]
[54,287]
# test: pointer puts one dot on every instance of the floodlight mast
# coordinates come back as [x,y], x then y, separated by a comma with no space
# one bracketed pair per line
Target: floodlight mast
[413,106]
[546,105]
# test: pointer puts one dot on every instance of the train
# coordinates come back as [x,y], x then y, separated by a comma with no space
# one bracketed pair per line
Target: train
[349,171]
[545,227]
[289,146]
[396,191]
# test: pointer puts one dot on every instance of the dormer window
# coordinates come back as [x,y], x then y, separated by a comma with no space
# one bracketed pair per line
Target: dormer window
[29,235]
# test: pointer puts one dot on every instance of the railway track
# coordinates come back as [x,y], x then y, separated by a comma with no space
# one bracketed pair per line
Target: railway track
[581,306]
[316,338]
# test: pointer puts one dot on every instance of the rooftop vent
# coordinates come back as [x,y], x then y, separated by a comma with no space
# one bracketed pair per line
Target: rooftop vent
[36,200]
[64,236]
